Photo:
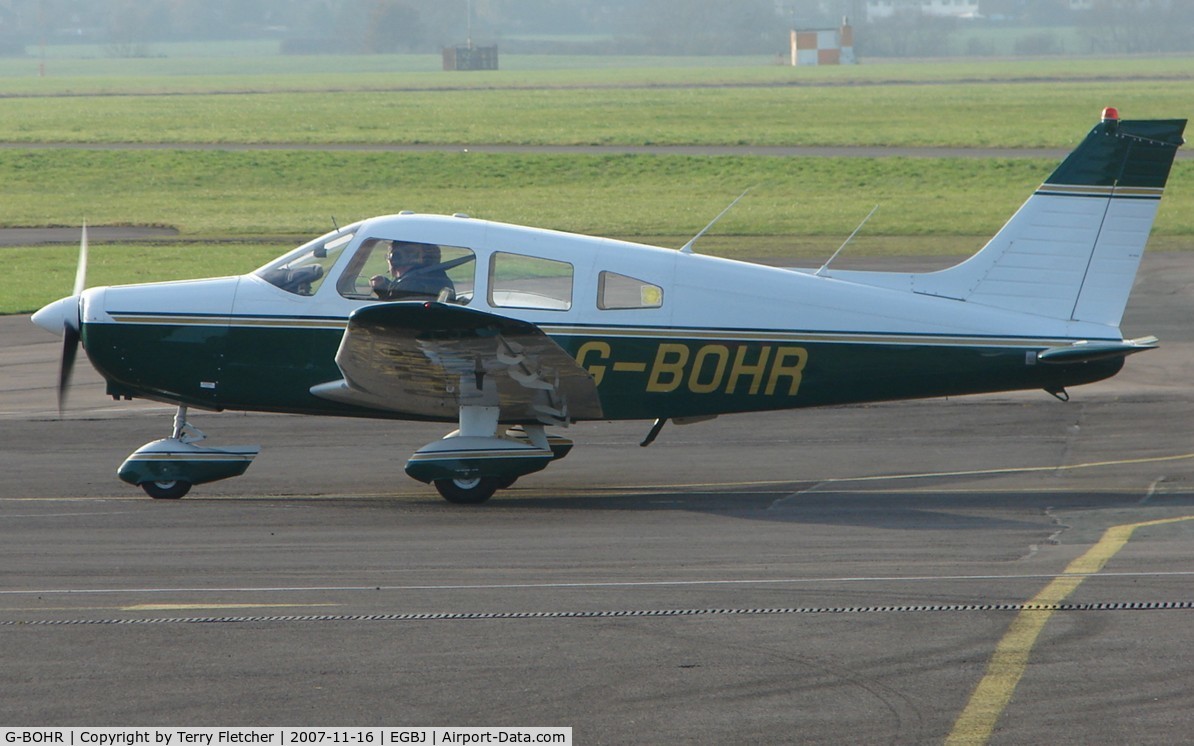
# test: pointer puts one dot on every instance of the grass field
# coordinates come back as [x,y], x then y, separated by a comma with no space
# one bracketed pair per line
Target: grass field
[211,68]
[990,115]
[356,99]
[799,207]
[215,195]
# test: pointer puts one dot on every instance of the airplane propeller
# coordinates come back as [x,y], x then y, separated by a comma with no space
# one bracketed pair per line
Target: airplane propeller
[81,270]
[70,327]
[65,317]
[70,350]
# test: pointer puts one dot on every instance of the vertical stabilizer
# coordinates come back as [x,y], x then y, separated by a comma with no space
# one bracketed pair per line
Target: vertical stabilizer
[1072,250]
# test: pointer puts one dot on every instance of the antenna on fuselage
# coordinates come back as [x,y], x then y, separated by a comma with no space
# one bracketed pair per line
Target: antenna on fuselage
[687,248]
[851,237]
[335,224]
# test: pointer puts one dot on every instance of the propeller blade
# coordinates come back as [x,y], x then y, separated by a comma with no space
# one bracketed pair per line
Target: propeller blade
[81,270]
[70,331]
[70,348]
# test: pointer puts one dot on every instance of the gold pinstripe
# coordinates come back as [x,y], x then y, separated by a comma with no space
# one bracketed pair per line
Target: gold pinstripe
[765,335]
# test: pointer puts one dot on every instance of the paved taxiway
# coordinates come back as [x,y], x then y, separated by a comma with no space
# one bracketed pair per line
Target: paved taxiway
[836,569]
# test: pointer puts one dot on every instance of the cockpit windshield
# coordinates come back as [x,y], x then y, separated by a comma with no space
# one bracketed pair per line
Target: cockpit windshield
[303,270]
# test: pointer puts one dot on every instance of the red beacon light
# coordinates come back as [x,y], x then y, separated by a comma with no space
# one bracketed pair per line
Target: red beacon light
[1111,114]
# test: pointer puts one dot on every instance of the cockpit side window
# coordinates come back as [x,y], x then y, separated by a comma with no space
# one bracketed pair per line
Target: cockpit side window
[398,269]
[517,281]
[303,270]
[615,291]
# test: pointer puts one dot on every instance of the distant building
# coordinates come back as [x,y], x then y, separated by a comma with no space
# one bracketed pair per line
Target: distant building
[832,46]
[1137,5]
[468,57]
[880,9]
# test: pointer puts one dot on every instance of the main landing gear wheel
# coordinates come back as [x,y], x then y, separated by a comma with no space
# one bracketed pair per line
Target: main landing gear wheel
[171,490]
[468,491]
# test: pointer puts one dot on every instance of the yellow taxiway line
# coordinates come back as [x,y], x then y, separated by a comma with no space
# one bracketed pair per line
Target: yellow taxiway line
[994,691]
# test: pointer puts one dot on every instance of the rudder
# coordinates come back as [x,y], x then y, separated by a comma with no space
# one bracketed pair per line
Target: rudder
[1073,249]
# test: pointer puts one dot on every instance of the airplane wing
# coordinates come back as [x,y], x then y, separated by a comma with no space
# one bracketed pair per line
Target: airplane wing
[429,359]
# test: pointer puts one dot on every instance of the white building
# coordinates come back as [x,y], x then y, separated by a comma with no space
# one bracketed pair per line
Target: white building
[812,47]
[880,9]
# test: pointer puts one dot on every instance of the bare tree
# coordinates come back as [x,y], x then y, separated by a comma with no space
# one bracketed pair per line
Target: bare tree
[710,26]
[1135,27]
[393,26]
[131,25]
[907,33]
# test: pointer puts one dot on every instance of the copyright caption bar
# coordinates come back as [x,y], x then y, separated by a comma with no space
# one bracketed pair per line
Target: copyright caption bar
[393,736]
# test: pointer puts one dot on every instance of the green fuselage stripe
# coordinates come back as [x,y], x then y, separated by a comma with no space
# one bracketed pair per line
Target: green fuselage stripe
[642,373]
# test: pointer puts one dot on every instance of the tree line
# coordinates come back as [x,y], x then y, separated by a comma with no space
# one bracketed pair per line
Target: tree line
[592,26]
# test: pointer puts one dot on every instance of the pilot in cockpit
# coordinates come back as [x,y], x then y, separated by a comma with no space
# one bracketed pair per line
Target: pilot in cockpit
[416,270]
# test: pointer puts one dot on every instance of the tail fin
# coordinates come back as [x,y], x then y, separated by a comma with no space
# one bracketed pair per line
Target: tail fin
[1072,250]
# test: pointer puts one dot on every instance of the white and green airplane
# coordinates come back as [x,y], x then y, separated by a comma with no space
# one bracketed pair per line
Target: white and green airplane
[507,330]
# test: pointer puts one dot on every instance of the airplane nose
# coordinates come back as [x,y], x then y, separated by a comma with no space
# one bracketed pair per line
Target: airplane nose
[55,316]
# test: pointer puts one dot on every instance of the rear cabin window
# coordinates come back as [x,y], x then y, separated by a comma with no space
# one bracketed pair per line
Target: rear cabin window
[517,281]
[615,291]
[395,269]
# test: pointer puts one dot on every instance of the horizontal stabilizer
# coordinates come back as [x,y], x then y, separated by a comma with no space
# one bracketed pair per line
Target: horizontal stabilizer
[1085,352]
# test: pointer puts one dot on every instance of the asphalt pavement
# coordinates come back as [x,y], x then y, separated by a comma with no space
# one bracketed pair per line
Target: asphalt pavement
[821,576]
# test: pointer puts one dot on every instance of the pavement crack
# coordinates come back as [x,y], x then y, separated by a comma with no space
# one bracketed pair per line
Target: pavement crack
[1053,539]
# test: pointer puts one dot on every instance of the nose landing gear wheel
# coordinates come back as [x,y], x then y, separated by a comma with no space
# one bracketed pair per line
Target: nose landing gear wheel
[467,491]
[171,490]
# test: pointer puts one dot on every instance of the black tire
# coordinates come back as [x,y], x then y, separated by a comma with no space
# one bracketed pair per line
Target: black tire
[467,491]
[171,490]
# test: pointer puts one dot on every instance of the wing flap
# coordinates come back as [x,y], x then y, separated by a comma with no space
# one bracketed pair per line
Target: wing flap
[429,359]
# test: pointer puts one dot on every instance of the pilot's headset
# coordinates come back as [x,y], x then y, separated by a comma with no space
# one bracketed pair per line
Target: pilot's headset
[411,254]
